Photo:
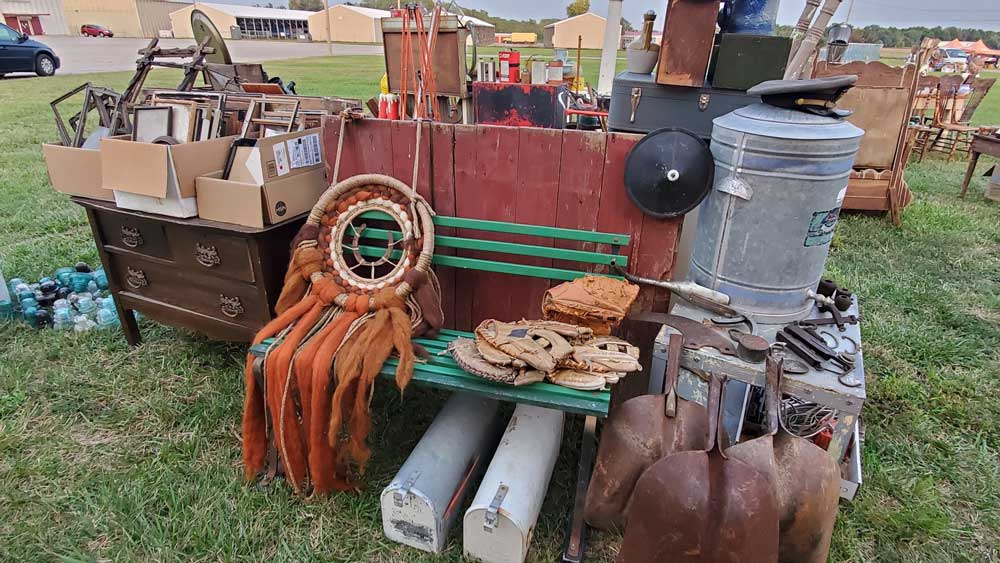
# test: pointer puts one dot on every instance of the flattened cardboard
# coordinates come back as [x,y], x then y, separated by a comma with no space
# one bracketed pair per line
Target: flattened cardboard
[253,205]
[146,169]
[75,171]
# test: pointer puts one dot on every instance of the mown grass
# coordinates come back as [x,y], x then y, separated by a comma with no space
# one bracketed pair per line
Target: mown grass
[112,453]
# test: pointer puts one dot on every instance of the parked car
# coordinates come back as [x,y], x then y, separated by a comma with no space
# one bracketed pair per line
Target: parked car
[20,53]
[950,60]
[93,30]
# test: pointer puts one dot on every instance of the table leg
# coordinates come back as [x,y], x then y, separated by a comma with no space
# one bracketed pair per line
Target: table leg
[577,533]
[973,160]
[129,324]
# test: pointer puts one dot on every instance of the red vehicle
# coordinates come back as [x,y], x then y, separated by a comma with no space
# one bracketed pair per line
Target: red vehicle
[91,30]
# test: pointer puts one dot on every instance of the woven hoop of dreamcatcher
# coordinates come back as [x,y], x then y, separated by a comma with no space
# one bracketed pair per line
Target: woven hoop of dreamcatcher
[358,283]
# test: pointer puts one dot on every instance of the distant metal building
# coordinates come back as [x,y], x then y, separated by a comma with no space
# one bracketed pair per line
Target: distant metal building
[34,17]
[349,24]
[250,22]
[126,18]
[563,34]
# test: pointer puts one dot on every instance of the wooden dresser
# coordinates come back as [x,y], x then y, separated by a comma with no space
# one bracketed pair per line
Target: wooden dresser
[217,279]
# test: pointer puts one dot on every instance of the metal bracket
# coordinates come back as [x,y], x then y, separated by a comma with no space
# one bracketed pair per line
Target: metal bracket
[404,491]
[636,96]
[703,100]
[492,519]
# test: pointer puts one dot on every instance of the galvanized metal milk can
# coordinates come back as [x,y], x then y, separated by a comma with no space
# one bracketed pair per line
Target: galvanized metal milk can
[781,175]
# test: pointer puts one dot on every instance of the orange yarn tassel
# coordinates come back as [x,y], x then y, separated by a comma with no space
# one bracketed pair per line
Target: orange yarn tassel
[322,460]
[254,419]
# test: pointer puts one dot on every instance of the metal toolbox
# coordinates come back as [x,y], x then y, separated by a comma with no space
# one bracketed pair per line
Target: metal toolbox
[640,105]
[742,61]
[420,504]
[499,523]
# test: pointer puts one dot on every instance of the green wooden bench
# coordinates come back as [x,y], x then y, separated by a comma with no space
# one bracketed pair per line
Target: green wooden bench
[440,370]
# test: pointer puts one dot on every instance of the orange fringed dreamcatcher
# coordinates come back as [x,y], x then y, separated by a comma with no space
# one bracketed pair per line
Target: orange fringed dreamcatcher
[346,306]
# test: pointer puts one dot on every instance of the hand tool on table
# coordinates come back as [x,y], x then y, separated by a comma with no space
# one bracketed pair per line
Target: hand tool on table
[637,434]
[702,506]
[805,480]
[696,335]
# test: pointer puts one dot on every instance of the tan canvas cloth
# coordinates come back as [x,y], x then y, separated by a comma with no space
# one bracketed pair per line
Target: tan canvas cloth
[597,302]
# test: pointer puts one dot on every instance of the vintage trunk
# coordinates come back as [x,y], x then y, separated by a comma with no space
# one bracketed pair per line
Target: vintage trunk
[499,524]
[657,106]
[420,504]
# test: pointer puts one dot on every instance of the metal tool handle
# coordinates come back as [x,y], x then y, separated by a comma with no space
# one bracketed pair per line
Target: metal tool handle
[686,289]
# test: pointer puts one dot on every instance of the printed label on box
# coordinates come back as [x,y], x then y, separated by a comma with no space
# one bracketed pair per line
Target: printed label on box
[305,151]
[281,159]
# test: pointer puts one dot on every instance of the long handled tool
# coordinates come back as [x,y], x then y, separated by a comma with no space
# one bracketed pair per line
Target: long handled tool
[638,433]
[805,479]
[701,506]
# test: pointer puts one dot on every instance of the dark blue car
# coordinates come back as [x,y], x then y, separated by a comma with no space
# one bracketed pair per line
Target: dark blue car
[19,53]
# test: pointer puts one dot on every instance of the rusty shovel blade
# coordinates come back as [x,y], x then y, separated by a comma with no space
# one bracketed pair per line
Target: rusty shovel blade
[639,433]
[700,506]
[805,480]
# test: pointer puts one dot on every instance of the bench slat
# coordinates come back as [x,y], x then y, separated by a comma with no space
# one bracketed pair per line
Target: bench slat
[511,248]
[489,265]
[443,373]
[517,229]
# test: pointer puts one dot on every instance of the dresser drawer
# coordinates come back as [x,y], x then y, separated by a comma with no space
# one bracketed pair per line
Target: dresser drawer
[209,252]
[135,234]
[229,300]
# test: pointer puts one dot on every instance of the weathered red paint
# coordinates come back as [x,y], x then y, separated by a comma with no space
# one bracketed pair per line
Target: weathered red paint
[534,176]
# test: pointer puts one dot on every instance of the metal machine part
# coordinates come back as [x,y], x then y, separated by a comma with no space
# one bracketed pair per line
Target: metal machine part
[696,335]
[419,506]
[764,231]
[669,172]
[750,347]
[205,33]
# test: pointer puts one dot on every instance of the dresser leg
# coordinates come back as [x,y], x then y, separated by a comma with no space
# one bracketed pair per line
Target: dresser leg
[129,325]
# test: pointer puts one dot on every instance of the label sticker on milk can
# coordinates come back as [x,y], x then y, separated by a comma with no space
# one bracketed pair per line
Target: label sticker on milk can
[821,227]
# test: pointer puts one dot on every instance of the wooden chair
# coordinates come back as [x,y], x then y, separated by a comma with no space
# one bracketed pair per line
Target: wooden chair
[980,88]
[951,136]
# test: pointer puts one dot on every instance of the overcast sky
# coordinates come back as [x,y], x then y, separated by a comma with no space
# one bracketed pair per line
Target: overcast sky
[983,14]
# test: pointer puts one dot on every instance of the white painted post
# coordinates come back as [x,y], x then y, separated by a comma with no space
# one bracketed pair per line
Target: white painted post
[609,53]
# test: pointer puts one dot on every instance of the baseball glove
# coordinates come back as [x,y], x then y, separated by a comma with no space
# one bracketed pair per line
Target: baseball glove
[597,302]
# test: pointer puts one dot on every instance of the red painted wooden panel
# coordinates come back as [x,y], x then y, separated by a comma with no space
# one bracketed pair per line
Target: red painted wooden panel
[465,182]
[442,143]
[404,139]
[580,182]
[491,197]
[617,213]
[536,194]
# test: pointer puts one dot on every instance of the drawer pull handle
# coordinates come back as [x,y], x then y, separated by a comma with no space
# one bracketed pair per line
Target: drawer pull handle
[231,307]
[131,237]
[136,278]
[207,256]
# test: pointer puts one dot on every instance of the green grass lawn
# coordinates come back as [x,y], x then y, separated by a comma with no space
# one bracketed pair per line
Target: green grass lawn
[119,454]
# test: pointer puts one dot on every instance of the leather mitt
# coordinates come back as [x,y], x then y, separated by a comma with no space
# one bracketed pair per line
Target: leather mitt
[597,302]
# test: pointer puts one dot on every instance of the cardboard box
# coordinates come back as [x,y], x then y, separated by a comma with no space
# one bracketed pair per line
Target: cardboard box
[279,178]
[258,205]
[75,171]
[159,178]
